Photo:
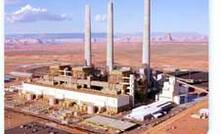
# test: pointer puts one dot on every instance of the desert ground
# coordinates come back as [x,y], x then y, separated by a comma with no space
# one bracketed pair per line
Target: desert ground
[13,119]
[163,55]
[183,123]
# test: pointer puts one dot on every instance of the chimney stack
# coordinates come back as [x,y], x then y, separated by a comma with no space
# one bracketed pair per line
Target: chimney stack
[110,36]
[87,36]
[146,38]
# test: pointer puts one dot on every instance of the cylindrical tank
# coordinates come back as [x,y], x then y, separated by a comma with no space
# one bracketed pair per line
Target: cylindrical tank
[90,109]
[84,108]
[23,92]
[52,101]
[30,97]
[20,93]
[176,99]
[39,96]
[101,109]
[76,114]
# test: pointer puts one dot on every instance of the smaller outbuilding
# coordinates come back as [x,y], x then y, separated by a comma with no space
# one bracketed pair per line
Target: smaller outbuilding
[110,122]
[9,78]
[21,74]
[204,113]
[153,110]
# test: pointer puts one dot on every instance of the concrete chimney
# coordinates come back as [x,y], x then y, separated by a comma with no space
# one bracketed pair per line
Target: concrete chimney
[110,36]
[146,38]
[87,36]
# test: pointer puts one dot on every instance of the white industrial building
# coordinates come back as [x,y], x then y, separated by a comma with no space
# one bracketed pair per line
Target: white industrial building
[204,112]
[87,97]
[153,110]
[21,74]
[173,91]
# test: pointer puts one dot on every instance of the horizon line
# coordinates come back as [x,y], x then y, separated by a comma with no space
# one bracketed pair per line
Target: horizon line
[183,32]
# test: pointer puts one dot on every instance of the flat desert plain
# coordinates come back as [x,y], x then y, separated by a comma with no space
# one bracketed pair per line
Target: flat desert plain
[163,55]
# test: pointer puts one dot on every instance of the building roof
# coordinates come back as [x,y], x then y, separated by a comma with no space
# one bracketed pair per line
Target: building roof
[110,122]
[121,70]
[200,77]
[21,74]
[153,108]
[82,90]
[8,77]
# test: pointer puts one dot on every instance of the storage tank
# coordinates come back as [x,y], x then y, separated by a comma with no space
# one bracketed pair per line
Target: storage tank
[90,109]
[101,109]
[39,96]
[30,97]
[76,114]
[176,99]
[20,93]
[52,101]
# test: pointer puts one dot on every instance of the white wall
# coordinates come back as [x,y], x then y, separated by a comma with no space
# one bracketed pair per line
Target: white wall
[97,100]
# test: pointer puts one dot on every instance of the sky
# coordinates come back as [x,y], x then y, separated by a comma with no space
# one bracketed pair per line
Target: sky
[67,16]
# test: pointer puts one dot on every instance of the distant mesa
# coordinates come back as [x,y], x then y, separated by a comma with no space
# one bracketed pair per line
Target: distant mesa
[168,37]
[100,37]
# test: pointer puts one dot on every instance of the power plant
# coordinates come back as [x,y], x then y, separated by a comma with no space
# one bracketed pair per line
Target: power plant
[113,88]
[69,91]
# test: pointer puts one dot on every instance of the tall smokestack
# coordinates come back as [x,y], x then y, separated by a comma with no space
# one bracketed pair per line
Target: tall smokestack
[146,38]
[110,35]
[87,36]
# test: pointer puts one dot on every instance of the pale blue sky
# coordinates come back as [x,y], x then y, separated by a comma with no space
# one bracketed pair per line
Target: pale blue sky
[167,16]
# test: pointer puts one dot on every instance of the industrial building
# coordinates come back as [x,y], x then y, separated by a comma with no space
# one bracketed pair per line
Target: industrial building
[113,103]
[108,99]
[9,78]
[173,91]
[21,74]
[153,110]
[110,122]
[112,88]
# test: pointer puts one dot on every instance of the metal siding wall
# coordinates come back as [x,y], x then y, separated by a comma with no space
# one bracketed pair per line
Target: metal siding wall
[124,100]
[84,97]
